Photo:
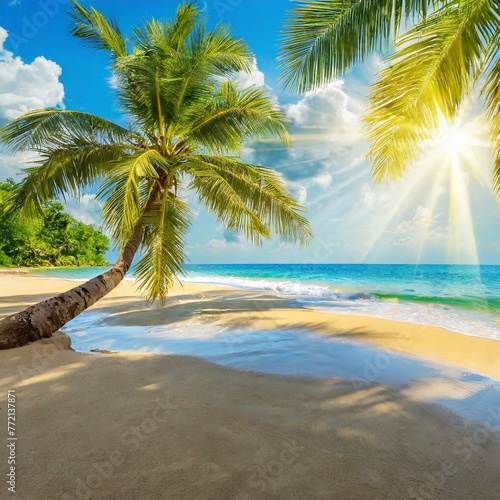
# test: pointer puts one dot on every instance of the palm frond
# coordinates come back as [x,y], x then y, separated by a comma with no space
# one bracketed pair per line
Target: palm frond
[74,150]
[209,56]
[322,39]
[426,81]
[248,200]
[40,129]
[491,93]
[172,36]
[96,31]
[166,224]
[62,172]
[125,191]
[235,115]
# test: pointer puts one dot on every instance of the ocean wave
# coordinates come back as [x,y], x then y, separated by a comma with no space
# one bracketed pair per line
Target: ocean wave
[285,288]
[461,315]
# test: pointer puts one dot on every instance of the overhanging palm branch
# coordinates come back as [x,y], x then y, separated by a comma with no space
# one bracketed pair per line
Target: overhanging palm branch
[322,39]
[434,67]
[436,63]
[491,94]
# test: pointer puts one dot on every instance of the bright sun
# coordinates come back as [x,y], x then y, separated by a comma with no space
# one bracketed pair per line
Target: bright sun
[453,138]
[443,184]
[458,161]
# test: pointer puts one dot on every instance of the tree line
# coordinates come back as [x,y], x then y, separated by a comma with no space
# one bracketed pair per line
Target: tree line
[54,238]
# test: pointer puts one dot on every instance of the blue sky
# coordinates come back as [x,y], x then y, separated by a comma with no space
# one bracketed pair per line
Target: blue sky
[438,213]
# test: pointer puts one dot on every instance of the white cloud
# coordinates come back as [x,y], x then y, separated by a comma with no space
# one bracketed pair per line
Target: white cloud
[298,191]
[255,77]
[326,136]
[216,246]
[3,36]
[327,106]
[373,200]
[11,165]
[27,86]
[323,181]
[422,219]
[113,81]
[86,209]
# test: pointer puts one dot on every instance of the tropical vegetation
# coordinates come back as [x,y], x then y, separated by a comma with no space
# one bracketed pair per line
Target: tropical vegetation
[53,239]
[439,52]
[187,120]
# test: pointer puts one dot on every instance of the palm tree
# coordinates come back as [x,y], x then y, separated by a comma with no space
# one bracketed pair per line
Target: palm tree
[188,121]
[451,48]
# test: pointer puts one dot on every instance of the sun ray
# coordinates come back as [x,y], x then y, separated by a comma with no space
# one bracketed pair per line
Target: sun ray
[410,186]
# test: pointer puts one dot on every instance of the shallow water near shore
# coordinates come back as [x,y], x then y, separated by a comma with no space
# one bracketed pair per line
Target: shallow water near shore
[296,352]
[463,299]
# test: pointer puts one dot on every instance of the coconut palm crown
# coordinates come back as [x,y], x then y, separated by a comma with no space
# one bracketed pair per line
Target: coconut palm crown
[451,47]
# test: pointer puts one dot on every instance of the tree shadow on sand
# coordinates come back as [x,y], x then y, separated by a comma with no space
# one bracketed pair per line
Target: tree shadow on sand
[185,428]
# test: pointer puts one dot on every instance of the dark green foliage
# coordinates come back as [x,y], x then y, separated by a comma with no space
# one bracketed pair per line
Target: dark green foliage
[54,239]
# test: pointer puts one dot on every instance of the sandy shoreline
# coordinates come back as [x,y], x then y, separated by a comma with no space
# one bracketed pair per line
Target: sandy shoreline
[227,307]
[152,426]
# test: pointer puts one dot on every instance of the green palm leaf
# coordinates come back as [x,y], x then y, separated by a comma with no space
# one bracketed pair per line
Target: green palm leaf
[98,32]
[235,115]
[166,226]
[43,129]
[322,39]
[127,179]
[491,92]
[426,81]
[247,199]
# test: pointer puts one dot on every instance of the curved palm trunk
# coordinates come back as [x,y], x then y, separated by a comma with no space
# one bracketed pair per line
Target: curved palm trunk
[45,318]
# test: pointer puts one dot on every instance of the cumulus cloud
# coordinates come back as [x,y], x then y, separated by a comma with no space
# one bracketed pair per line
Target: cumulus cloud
[327,106]
[26,86]
[298,191]
[326,136]
[372,199]
[255,77]
[323,181]
[10,165]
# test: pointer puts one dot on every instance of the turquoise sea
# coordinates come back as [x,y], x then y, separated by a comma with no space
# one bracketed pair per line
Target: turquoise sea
[461,298]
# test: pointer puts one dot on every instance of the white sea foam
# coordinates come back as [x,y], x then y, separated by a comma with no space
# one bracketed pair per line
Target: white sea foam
[336,301]
[293,288]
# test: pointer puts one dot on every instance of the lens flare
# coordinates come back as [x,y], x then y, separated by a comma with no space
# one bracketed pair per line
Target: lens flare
[446,180]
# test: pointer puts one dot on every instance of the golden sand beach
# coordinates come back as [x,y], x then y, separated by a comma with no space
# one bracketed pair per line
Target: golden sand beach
[156,426]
